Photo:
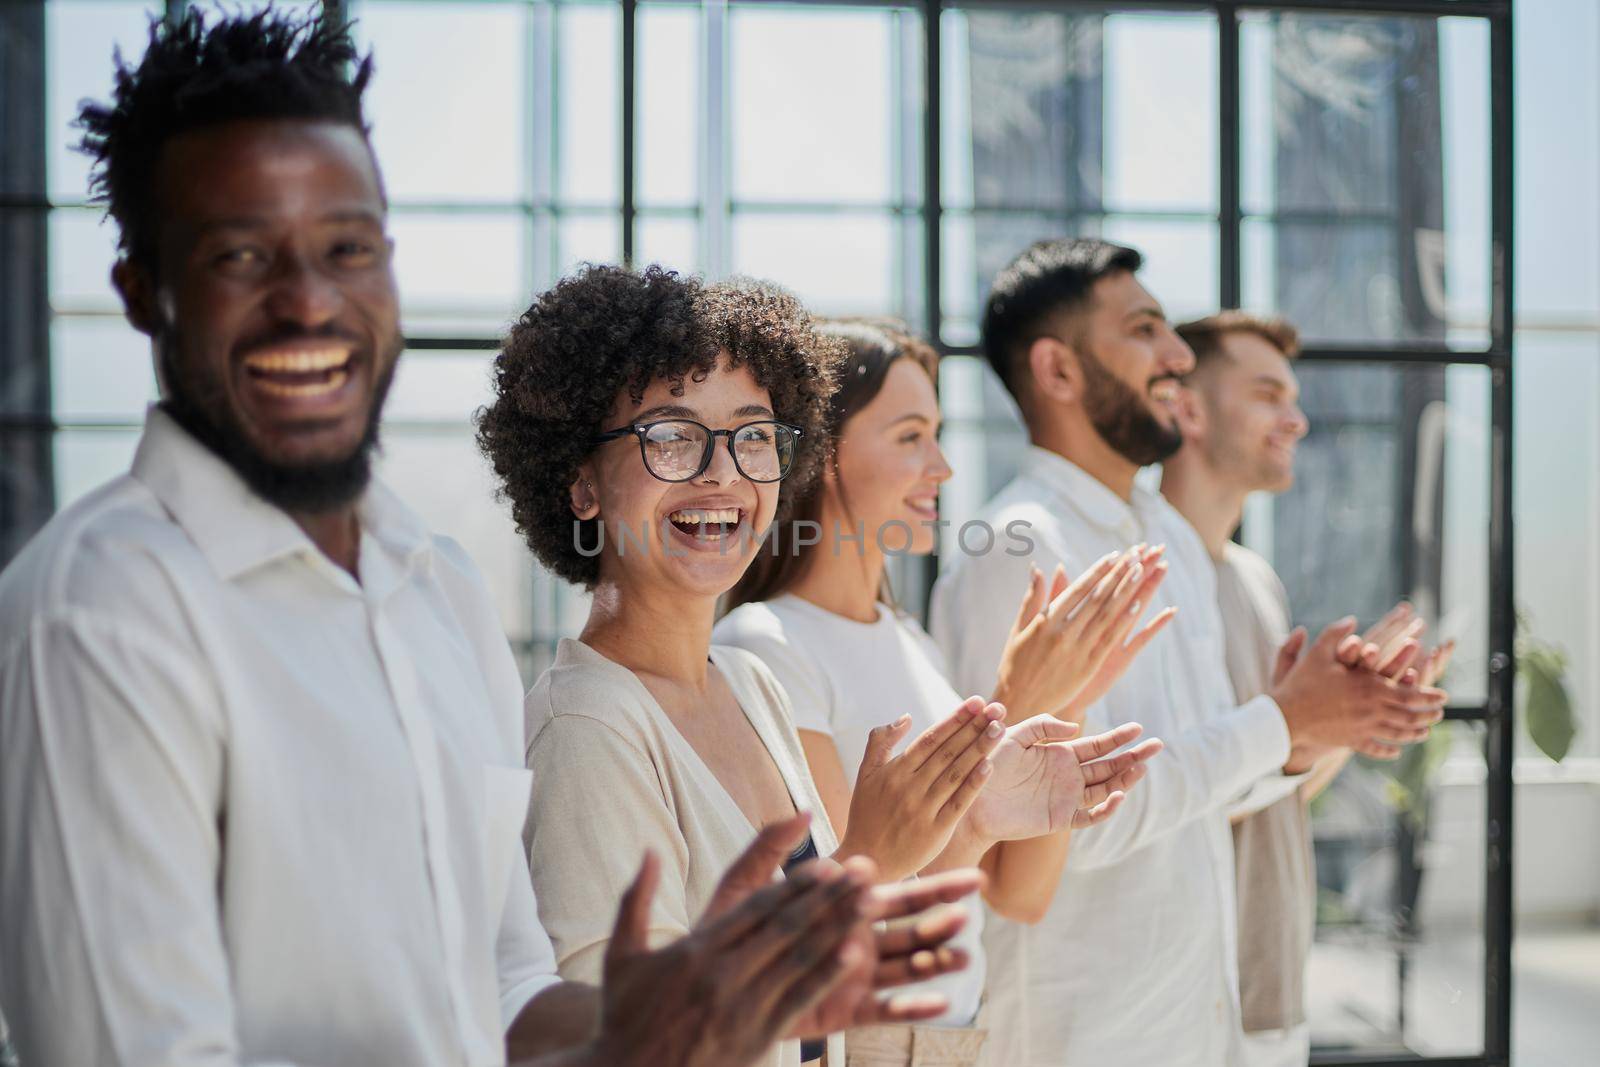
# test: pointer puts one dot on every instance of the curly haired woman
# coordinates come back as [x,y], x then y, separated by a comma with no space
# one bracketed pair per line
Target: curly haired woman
[647,430]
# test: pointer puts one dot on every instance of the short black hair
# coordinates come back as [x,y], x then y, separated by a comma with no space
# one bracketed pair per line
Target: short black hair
[1047,278]
[199,72]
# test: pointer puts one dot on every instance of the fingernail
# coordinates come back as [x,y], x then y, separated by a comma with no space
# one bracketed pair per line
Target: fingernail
[1134,610]
[994,729]
[985,769]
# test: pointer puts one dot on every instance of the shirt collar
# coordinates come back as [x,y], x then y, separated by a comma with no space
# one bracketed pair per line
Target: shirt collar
[235,529]
[1086,493]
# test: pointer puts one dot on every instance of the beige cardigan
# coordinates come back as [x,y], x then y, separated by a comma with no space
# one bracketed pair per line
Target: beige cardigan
[612,775]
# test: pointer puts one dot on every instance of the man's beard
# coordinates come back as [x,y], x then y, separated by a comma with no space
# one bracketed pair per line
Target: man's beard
[311,488]
[1122,417]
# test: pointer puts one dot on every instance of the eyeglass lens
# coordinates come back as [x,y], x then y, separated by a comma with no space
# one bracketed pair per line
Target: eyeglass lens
[674,451]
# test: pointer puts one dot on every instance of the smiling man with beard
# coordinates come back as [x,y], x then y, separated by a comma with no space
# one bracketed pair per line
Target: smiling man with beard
[261,781]
[1135,961]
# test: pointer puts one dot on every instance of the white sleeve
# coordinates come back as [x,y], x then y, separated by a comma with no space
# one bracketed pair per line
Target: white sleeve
[1200,770]
[111,784]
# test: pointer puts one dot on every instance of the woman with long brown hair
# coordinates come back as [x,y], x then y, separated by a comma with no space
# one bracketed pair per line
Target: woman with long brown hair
[816,606]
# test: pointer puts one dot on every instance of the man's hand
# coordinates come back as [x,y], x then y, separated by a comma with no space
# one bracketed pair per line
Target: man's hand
[741,980]
[887,958]
[1044,781]
[905,808]
[1328,704]
[1064,634]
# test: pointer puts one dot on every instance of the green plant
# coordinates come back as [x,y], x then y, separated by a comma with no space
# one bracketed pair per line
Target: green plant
[1542,688]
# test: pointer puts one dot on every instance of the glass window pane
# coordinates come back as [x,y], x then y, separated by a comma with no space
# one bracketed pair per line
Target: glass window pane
[80,40]
[814,104]
[974,248]
[83,247]
[1180,260]
[587,239]
[467,143]
[671,241]
[1391,501]
[1397,966]
[1557,452]
[837,264]
[461,270]
[445,386]
[441,475]
[1366,156]
[1160,86]
[1022,115]
[86,459]
[588,83]
[100,368]
[668,104]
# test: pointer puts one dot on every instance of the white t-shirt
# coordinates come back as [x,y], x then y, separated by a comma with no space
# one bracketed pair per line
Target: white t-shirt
[843,679]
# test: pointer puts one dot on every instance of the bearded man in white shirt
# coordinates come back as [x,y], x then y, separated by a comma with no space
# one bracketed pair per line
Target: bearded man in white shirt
[1094,367]
[261,782]
[1241,421]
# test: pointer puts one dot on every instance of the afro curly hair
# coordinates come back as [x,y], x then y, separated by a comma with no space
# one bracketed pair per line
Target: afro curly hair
[608,329]
[195,73]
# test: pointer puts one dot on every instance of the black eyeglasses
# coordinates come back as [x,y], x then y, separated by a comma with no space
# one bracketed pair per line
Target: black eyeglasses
[679,450]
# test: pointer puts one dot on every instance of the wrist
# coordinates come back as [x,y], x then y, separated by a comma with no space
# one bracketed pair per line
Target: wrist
[966,848]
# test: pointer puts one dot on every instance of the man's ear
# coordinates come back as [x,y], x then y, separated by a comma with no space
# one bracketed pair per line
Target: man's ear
[584,500]
[1191,412]
[1053,370]
[138,291]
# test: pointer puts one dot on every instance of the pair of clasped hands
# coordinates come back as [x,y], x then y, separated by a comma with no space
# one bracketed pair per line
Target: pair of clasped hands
[810,954]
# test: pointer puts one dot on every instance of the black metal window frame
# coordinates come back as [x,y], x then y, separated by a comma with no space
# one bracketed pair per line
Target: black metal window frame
[1496,711]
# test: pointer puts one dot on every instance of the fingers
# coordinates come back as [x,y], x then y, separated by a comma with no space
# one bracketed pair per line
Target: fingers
[817,919]
[754,868]
[1092,748]
[1349,651]
[1110,628]
[913,952]
[1438,661]
[900,899]
[933,740]
[1033,599]
[802,981]
[1150,629]
[1084,817]
[1289,653]
[631,933]
[1394,663]
[1106,772]
[880,743]
[1065,603]
[1042,729]
[1393,621]
[946,770]
[1329,640]
[908,1007]
[1377,750]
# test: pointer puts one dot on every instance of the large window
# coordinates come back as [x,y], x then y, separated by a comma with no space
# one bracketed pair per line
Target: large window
[1343,164]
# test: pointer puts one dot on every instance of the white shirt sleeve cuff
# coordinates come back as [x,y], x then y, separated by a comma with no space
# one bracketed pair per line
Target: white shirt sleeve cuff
[1266,737]
[513,1000]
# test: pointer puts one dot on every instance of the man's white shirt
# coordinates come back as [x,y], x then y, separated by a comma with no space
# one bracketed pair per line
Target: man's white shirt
[1136,960]
[252,811]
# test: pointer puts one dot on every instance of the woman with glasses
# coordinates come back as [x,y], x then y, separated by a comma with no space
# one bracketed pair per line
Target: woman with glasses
[816,607]
[642,428]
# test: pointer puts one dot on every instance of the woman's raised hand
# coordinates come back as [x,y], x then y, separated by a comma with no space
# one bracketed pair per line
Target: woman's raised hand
[1067,636]
[1045,781]
[905,807]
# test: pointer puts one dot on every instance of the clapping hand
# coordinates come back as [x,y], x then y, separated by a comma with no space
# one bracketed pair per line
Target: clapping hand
[905,808]
[1045,781]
